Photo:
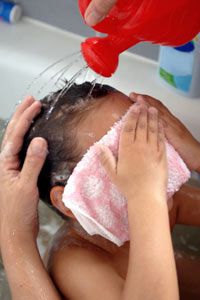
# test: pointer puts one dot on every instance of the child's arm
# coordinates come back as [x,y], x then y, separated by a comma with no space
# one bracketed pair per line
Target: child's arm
[141,175]
[187,202]
[151,272]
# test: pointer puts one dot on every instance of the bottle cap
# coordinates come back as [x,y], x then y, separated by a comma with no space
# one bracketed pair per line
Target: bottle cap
[15,14]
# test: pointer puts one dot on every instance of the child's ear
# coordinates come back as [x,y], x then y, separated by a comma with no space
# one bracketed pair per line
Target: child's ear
[56,200]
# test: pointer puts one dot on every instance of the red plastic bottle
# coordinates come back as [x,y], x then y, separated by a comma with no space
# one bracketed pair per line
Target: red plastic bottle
[172,23]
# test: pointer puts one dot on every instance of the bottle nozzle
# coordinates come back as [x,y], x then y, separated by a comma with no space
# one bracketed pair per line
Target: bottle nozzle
[99,55]
[102,54]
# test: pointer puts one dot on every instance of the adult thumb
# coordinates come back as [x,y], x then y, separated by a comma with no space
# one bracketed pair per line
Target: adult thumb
[34,161]
[108,161]
[97,11]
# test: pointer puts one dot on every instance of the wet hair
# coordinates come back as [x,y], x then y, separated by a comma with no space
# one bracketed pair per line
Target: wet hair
[59,128]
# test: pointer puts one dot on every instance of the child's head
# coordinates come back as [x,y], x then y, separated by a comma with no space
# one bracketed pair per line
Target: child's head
[76,122]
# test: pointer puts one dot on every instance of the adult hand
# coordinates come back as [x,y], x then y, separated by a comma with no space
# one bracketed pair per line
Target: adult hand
[97,11]
[26,274]
[177,134]
[18,190]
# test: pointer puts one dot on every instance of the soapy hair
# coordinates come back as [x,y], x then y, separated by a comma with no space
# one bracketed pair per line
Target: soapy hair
[59,129]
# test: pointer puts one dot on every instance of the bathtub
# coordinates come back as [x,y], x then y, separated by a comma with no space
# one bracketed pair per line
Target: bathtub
[28,48]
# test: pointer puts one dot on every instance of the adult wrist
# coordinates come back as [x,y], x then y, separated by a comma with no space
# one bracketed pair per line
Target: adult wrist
[198,167]
[197,157]
[14,238]
[17,249]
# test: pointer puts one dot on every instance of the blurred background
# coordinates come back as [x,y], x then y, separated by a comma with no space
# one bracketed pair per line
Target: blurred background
[65,15]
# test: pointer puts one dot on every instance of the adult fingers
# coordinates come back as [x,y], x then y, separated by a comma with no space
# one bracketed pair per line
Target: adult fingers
[34,161]
[169,120]
[15,139]
[23,106]
[153,126]
[19,111]
[163,110]
[138,99]
[97,11]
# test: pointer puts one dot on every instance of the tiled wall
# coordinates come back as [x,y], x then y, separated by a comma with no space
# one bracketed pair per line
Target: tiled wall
[65,14]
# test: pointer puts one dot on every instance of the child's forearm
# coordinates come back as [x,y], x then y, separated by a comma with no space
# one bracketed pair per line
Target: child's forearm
[151,271]
[26,274]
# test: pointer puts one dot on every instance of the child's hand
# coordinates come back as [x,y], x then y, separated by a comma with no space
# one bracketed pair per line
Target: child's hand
[177,134]
[18,191]
[142,164]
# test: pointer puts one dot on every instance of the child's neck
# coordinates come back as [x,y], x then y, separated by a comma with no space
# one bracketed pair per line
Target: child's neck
[96,240]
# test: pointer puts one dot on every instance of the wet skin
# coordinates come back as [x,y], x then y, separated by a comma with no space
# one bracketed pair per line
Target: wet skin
[71,238]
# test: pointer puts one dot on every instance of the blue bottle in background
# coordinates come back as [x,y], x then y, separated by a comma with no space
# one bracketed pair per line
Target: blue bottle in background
[179,67]
[10,12]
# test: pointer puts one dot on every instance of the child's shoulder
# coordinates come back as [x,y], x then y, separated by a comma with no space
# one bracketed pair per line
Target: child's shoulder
[67,246]
[78,267]
[73,251]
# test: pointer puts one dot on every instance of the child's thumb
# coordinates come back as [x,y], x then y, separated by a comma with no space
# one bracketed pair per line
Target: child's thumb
[108,161]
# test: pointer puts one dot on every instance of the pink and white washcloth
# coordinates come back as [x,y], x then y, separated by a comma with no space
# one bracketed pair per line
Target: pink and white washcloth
[96,202]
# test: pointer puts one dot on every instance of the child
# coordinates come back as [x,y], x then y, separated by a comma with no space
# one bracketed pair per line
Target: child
[82,266]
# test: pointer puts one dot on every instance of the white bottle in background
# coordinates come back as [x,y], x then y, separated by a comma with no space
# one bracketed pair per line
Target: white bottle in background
[179,67]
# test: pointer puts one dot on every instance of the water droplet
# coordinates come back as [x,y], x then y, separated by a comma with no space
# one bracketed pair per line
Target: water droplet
[61,73]
[41,74]
[65,89]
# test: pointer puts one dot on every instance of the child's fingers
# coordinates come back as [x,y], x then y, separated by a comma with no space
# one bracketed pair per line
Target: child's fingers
[161,136]
[107,160]
[141,130]
[153,126]
[127,135]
